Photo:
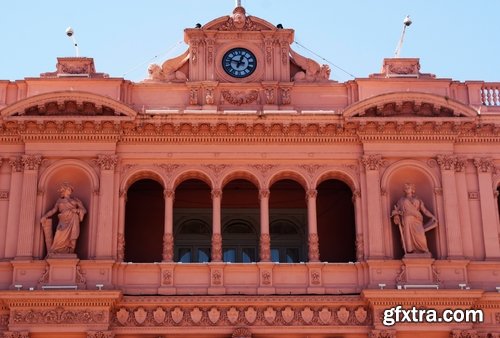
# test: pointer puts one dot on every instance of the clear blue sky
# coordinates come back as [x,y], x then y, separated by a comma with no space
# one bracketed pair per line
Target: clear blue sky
[453,38]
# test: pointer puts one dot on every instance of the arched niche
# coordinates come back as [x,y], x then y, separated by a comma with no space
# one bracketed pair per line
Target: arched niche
[393,183]
[85,182]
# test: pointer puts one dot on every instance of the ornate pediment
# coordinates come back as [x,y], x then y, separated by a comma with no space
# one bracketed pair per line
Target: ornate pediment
[408,104]
[68,103]
[239,21]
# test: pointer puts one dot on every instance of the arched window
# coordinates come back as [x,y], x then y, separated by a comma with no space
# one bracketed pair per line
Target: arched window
[288,222]
[336,224]
[240,220]
[193,242]
[144,222]
[239,242]
[288,244]
[192,222]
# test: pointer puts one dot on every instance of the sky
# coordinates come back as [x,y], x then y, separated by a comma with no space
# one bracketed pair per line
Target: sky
[453,38]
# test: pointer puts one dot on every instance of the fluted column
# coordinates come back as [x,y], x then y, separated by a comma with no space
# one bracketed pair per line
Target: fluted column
[489,218]
[27,208]
[107,164]
[168,237]
[453,231]
[372,165]
[312,224]
[265,238]
[15,192]
[216,225]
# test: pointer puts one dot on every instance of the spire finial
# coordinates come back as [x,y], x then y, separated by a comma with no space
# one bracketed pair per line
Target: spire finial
[237,3]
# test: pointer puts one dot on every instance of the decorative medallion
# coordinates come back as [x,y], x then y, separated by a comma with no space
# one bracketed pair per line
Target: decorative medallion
[122,316]
[159,315]
[343,315]
[177,315]
[360,314]
[325,315]
[307,314]
[250,315]
[232,315]
[270,315]
[288,314]
[196,315]
[140,315]
[214,315]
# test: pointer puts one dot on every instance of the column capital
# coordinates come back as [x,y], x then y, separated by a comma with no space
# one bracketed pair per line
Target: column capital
[106,162]
[311,193]
[372,162]
[264,193]
[484,164]
[31,162]
[216,193]
[446,162]
[16,164]
[169,193]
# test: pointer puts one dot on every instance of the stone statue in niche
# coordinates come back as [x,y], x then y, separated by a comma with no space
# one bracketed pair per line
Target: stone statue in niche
[70,213]
[408,214]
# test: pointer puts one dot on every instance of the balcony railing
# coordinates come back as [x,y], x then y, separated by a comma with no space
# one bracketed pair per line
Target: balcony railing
[490,94]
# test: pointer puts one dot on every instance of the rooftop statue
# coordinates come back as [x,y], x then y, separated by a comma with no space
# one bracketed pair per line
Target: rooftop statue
[169,70]
[312,71]
[70,213]
[408,215]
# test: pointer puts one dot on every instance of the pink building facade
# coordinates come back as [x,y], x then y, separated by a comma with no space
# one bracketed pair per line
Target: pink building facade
[239,192]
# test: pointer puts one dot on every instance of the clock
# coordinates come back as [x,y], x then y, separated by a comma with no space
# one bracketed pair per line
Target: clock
[239,62]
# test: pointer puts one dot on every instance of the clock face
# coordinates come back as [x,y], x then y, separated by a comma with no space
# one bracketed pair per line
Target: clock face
[239,62]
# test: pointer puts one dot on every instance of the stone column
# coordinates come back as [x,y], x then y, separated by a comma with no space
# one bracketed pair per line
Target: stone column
[16,183]
[107,163]
[27,208]
[120,245]
[216,225]
[312,224]
[372,165]
[453,230]
[265,238]
[4,205]
[360,245]
[463,207]
[168,237]
[489,218]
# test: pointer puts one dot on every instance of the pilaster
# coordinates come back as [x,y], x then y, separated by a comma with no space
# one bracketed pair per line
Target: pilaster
[107,164]
[30,164]
[486,195]
[447,165]
[372,165]
[463,207]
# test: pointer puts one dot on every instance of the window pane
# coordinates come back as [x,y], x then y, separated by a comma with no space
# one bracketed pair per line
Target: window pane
[292,255]
[230,255]
[203,255]
[248,255]
[275,255]
[185,255]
